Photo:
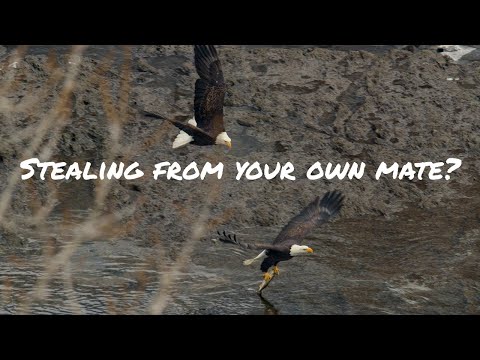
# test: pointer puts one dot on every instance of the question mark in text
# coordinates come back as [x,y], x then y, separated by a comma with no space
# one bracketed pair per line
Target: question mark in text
[456,164]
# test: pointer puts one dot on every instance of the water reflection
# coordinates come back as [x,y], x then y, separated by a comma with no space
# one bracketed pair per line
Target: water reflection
[270,309]
[363,266]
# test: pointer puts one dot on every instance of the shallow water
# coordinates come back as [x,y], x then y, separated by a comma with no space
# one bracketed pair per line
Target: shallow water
[365,266]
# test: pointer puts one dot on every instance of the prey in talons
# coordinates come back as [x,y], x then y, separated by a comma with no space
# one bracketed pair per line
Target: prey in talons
[287,244]
[267,278]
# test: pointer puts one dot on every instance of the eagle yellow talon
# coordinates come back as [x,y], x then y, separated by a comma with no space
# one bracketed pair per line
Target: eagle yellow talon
[276,270]
[267,277]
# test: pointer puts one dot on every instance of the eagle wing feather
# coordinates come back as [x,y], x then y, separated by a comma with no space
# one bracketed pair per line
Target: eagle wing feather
[315,214]
[232,239]
[209,90]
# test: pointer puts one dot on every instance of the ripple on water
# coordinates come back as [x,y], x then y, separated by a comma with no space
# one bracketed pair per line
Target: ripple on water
[367,266]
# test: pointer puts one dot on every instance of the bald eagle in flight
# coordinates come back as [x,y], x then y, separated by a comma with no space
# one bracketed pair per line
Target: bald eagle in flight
[207,127]
[287,243]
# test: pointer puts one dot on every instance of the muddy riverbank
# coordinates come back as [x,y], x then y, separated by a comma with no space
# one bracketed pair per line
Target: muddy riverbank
[283,104]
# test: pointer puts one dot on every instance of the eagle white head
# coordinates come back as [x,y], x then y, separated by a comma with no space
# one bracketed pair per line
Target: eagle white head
[297,250]
[224,139]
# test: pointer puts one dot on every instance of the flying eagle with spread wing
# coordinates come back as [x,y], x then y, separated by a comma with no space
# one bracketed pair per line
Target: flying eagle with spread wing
[207,127]
[287,243]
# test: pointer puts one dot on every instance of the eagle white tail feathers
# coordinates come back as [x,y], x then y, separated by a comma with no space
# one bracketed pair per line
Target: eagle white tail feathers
[259,257]
[183,138]
[249,262]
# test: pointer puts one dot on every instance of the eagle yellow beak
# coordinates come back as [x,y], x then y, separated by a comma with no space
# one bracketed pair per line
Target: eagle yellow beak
[310,250]
[229,144]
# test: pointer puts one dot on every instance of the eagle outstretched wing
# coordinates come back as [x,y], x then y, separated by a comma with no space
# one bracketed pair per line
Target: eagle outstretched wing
[209,90]
[200,135]
[315,214]
[232,239]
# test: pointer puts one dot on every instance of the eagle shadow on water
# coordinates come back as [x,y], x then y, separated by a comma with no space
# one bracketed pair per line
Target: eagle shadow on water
[270,309]
[287,244]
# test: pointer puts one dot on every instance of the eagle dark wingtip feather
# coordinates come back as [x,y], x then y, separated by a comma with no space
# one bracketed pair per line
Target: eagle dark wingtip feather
[333,201]
[228,238]
[205,56]
[207,64]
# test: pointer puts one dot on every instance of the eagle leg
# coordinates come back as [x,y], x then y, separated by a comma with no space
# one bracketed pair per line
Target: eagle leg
[267,278]
[276,270]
